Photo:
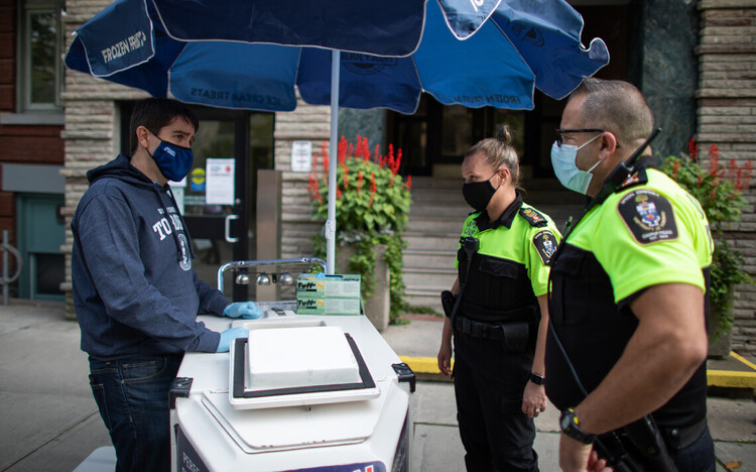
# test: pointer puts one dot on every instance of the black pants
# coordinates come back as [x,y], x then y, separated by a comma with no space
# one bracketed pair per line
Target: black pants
[489,384]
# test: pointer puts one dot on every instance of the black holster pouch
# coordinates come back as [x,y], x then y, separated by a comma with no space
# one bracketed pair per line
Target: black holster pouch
[638,447]
[516,336]
[645,436]
[447,302]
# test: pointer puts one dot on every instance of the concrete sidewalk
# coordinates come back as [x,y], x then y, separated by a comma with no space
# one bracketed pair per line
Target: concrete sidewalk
[49,420]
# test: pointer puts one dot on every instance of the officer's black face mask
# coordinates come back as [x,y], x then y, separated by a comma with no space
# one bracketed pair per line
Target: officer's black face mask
[479,194]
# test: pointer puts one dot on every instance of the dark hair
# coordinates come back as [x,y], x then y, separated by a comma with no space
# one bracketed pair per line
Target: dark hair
[499,152]
[616,106]
[156,113]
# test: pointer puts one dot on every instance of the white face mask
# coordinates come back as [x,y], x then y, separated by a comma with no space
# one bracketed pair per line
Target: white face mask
[566,169]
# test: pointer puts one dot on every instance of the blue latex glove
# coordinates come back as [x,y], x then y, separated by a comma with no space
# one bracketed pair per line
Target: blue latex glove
[228,336]
[320,275]
[246,310]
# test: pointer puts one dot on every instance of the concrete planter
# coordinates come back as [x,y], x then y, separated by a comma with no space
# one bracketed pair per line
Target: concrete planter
[721,346]
[378,305]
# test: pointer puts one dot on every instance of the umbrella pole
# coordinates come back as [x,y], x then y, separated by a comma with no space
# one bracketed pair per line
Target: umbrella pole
[330,226]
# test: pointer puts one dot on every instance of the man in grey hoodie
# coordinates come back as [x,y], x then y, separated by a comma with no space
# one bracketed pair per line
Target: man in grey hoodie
[135,292]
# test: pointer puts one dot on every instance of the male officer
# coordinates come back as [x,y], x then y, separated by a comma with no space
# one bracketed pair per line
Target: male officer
[628,297]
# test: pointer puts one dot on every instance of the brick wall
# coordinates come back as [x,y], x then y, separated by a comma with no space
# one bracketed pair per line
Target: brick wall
[727,117]
[21,144]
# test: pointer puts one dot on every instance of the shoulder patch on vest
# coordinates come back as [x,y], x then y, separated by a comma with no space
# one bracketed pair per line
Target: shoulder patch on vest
[648,216]
[546,244]
[636,178]
[533,217]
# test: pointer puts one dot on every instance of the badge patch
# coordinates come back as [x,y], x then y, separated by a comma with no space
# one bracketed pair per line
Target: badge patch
[533,217]
[648,216]
[546,244]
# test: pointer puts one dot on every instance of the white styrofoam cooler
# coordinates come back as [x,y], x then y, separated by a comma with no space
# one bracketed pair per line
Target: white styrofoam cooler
[301,393]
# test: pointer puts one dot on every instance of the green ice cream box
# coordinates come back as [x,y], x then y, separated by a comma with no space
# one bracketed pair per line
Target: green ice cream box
[329,286]
[328,306]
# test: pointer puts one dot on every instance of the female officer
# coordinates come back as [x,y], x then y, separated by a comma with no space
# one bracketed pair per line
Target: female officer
[500,321]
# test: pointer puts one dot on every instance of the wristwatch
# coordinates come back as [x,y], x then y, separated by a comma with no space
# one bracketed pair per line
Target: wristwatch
[537,379]
[568,422]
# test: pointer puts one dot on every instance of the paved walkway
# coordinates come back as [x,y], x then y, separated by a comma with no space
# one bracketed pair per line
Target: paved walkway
[49,420]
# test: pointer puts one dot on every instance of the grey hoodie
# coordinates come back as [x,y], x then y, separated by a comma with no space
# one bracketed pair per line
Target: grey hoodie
[134,288]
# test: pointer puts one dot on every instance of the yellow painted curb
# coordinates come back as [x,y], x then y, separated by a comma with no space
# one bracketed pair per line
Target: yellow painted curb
[423,365]
[715,378]
[749,364]
[729,378]
[733,378]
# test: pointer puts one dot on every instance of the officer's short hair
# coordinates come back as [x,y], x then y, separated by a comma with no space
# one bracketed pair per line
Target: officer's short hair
[616,106]
[154,114]
[499,152]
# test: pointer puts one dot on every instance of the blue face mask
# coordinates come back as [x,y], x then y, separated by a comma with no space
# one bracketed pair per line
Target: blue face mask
[172,160]
[566,169]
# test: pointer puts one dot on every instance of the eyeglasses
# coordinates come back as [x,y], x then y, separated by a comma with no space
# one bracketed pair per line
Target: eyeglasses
[560,131]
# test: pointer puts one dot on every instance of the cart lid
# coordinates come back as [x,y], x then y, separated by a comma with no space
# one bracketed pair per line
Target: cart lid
[297,366]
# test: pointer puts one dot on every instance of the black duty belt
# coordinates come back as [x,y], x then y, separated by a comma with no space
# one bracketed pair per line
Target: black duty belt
[514,335]
[678,439]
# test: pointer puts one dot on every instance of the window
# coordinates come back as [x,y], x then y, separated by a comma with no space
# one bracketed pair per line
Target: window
[40,65]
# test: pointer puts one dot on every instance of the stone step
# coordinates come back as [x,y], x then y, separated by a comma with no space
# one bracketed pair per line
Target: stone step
[438,242]
[437,196]
[435,224]
[441,279]
[425,299]
[429,259]
[452,211]
[424,183]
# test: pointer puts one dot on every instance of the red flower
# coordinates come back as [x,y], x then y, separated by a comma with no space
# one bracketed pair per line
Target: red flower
[365,150]
[713,160]
[675,168]
[358,148]
[373,188]
[409,181]
[341,149]
[346,175]
[693,149]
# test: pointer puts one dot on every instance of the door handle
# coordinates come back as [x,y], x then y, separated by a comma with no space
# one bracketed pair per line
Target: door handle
[228,228]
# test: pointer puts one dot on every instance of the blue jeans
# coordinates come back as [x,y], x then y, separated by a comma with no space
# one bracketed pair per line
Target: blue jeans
[698,457]
[132,395]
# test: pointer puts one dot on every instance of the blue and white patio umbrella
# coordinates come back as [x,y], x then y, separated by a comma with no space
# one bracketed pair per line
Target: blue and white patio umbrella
[249,54]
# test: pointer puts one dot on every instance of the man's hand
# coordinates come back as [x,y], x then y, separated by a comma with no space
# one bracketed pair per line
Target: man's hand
[246,310]
[575,456]
[228,336]
[533,399]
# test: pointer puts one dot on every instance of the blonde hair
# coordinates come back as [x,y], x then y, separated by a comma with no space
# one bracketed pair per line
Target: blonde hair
[499,152]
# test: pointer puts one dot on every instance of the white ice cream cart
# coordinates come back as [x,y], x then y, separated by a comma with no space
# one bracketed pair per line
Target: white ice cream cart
[301,393]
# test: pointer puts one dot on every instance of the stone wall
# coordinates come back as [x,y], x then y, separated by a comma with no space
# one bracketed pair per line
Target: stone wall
[727,117]
[91,133]
[306,123]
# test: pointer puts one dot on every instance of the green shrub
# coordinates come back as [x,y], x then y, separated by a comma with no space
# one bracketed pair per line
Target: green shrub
[372,207]
[719,190]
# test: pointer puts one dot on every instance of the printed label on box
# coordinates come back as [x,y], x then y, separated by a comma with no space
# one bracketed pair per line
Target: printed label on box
[328,306]
[330,286]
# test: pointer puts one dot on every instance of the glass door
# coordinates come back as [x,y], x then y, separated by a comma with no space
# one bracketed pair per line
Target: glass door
[217,198]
